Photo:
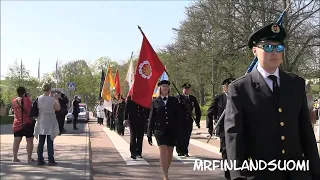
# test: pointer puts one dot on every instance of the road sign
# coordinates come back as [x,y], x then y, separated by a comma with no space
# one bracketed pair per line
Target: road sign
[71,86]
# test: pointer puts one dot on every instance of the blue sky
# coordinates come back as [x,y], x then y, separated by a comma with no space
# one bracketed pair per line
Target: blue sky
[87,30]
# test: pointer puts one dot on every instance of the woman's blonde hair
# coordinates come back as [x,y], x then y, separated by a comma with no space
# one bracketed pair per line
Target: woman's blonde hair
[158,93]
[46,87]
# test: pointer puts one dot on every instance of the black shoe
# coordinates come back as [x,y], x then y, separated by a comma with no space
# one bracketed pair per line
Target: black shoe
[133,157]
[41,163]
[75,128]
[186,155]
[52,163]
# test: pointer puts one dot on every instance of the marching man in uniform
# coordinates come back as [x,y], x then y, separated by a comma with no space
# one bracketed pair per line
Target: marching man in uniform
[267,116]
[136,116]
[214,112]
[185,125]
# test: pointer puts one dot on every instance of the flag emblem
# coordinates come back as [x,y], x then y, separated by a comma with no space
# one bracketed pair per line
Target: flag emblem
[145,69]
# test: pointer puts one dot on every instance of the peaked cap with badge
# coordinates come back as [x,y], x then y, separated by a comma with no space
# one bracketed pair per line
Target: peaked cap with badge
[163,82]
[271,32]
[228,81]
[186,85]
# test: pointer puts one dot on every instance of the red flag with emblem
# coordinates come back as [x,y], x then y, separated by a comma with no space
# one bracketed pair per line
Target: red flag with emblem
[117,83]
[149,69]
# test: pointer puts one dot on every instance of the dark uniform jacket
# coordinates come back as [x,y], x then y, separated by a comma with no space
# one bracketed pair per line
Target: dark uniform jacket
[135,113]
[164,119]
[192,104]
[119,111]
[214,112]
[257,128]
[76,106]
[114,108]
[63,101]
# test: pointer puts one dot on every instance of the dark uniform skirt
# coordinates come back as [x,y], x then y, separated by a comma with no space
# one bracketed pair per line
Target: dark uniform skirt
[167,139]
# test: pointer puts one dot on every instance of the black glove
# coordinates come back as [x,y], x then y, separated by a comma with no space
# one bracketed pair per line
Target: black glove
[210,131]
[150,140]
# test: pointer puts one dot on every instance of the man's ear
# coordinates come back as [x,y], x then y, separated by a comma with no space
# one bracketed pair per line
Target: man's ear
[254,51]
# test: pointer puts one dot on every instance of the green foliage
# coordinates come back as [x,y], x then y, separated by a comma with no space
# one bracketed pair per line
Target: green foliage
[210,45]
[204,110]
[315,89]
[6,120]
[16,77]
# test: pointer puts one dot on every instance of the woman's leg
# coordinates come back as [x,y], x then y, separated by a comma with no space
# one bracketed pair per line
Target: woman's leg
[29,148]
[169,155]
[164,160]
[15,148]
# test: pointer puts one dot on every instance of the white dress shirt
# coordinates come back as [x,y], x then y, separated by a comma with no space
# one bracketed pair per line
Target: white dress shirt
[265,75]
[165,102]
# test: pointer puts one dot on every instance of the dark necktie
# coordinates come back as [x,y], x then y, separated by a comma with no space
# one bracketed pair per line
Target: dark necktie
[276,88]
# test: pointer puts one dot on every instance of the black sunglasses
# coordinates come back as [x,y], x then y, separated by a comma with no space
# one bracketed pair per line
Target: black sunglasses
[269,47]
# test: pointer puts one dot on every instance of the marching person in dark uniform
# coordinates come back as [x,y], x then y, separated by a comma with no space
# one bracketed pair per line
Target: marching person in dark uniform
[136,116]
[76,111]
[112,115]
[163,122]
[214,112]
[106,112]
[267,115]
[186,125]
[119,115]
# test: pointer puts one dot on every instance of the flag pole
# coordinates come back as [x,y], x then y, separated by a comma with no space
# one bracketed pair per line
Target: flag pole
[182,99]
[39,80]
[20,77]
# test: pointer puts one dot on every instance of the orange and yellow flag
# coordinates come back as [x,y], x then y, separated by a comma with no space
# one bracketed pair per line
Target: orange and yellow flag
[108,85]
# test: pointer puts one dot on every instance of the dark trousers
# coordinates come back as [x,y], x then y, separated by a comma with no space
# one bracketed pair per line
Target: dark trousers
[120,127]
[112,124]
[60,119]
[50,150]
[136,139]
[100,121]
[184,134]
[75,120]
[108,121]
[146,127]
[223,151]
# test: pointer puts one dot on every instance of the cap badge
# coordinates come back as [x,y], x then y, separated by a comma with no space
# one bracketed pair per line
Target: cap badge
[275,28]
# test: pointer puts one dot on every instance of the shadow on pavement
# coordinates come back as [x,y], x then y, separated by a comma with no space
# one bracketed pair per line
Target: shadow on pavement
[7,129]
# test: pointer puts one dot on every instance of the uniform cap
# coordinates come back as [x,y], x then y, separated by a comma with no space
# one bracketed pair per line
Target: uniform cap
[271,32]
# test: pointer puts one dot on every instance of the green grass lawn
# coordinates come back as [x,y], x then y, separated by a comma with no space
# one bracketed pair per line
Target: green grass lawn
[6,120]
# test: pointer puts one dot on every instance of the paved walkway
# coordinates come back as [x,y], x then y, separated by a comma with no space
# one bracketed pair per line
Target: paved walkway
[71,154]
[111,158]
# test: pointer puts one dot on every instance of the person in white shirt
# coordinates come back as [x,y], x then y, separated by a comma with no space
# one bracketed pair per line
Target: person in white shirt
[100,113]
